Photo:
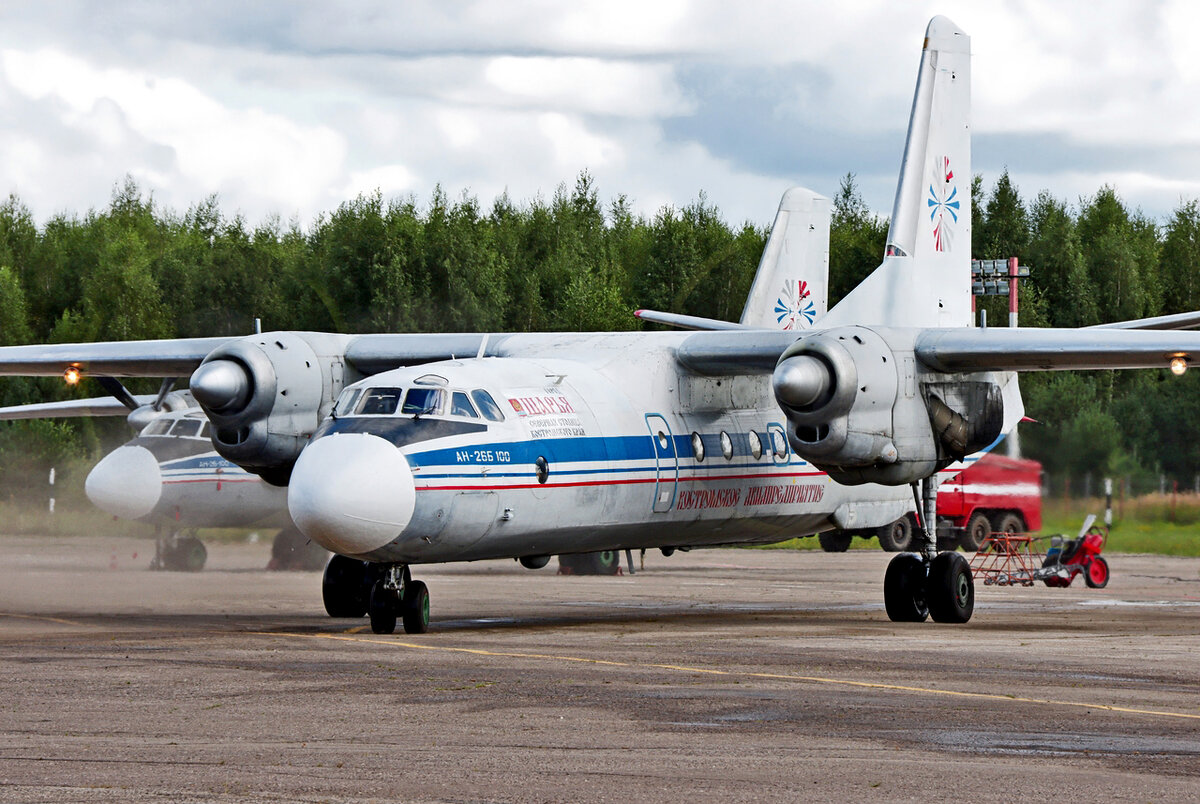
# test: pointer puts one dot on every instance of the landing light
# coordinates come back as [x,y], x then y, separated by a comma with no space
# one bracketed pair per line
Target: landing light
[71,375]
[1179,364]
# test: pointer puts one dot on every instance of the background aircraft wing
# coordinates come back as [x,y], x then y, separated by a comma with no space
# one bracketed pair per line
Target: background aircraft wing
[1004,349]
[101,406]
[688,321]
[165,358]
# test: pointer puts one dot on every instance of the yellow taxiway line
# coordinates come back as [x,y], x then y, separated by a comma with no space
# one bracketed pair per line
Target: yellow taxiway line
[841,682]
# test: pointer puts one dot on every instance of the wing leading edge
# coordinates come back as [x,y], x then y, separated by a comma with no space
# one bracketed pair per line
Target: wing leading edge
[1003,349]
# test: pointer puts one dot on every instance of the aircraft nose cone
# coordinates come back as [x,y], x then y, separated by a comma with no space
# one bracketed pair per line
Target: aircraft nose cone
[351,493]
[126,483]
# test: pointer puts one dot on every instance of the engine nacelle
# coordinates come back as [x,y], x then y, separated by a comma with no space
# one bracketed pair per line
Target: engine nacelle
[265,395]
[860,407]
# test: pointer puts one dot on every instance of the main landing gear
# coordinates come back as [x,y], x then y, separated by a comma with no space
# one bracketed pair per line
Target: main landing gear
[929,583]
[179,552]
[385,592]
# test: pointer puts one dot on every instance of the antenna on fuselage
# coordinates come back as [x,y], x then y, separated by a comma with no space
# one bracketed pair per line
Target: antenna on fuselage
[482,347]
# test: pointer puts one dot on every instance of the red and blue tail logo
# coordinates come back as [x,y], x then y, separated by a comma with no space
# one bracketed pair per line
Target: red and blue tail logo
[793,308]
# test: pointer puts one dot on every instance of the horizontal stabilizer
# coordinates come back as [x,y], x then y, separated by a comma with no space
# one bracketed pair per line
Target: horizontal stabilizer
[681,321]
[1007,349]
[1174,321]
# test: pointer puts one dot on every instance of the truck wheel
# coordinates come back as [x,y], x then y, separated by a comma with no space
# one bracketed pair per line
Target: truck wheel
[896,537]
[1010,524]
[835,541]
[978,528]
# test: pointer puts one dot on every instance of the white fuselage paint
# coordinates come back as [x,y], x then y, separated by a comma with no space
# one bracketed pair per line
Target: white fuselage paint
[613,481]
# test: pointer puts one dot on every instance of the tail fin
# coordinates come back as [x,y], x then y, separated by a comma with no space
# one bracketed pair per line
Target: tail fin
[791,287]
[925,278]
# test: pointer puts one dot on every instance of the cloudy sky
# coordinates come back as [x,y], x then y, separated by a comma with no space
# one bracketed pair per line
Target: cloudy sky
[292,108]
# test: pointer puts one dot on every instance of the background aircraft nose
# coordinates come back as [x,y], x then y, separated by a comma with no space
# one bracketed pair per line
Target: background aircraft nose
[126,483]
[351,493]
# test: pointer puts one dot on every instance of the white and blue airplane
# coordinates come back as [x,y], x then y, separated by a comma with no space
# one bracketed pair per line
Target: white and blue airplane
[170,476]
[406,449]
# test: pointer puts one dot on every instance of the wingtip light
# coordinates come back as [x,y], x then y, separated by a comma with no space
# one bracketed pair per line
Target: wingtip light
[1179,364]
[71,375]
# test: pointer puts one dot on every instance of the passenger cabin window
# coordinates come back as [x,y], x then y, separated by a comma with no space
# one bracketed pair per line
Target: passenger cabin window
[380,401]
[422,401]
[157,427]
[487,406]
[460,405]
[186,428]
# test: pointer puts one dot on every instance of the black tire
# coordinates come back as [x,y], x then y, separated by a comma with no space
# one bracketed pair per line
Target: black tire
[835,541]
[292,550]
[1095,574]
[416,608]
[950,589]
[187,554]
[534,562]
[1010,524]
[604,562]
[346,587]
[977,530]
[383,609]
[904,589]
[896,537]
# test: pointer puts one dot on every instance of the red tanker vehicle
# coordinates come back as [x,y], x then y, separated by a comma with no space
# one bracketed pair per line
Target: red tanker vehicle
[994,495]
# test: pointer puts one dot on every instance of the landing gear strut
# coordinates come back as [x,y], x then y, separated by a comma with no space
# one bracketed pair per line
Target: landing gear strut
[180,552]
[396,595]
[928,583]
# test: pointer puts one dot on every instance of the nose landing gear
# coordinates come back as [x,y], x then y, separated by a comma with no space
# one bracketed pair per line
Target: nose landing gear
[396,596]
[928,584]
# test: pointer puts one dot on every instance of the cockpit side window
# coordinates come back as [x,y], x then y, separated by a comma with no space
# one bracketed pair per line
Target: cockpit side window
[422,401]
[186,428]
[380,401]
[460,405]
[487,405]
[346,401]
[157,427]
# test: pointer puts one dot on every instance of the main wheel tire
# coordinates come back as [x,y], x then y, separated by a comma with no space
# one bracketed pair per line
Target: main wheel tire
[904,589]
[950,589]
[977,530]
[383,609]
[346,587]
[416,608]
[292,550]
[1096,573]
[604,562]
[835,541]
[896,537]
[187,554]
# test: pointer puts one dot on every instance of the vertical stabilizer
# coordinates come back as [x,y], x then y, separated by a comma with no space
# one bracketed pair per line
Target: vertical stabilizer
[925,278]
[791,287]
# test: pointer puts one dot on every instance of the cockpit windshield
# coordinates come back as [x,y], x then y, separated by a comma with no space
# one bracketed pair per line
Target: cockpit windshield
[380,402]
[418,401]
[423,402]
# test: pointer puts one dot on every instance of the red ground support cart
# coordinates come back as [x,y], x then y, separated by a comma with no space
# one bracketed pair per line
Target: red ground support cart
[1014,559]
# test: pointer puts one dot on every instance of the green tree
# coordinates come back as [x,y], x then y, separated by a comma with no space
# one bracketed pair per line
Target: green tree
[857,238]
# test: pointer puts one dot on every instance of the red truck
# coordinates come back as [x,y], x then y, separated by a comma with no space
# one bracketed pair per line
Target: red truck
[994,494]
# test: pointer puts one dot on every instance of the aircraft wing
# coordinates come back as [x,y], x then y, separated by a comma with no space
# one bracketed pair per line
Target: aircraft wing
[1035,349]
[739,351]
[101,406]
[164,358]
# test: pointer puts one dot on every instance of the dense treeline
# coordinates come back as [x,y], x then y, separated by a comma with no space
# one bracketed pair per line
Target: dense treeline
[134,270]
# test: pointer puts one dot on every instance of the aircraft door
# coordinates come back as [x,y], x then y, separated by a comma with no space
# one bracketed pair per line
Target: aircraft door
[666,460]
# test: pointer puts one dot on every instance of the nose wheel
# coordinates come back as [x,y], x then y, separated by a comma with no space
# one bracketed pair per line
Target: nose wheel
[396,597]
[928,584]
